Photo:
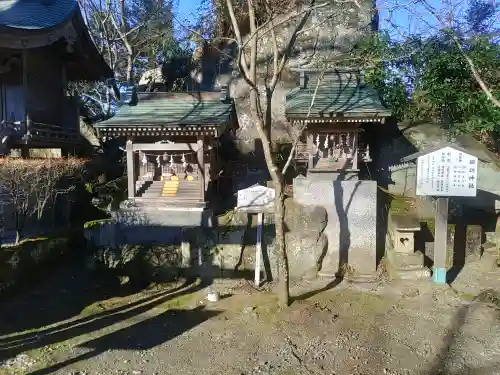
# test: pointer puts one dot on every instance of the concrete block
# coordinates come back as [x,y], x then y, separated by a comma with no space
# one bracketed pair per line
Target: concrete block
[417,274]
[404,228]
[407,261]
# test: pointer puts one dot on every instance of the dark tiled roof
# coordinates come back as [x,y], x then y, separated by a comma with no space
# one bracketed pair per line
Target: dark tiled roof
[338,93]
[35,14]
[172,109]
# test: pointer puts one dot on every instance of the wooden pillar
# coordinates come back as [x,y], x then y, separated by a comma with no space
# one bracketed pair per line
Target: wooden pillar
[355,140]
[310,149]
[130,171]
[24,67]
[201,163]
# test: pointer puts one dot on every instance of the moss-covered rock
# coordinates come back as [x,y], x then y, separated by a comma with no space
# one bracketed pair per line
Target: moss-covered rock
[30,259]
[140,263]
[96,223]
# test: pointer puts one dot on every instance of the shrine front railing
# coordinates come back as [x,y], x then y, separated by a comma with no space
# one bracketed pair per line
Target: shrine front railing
[333,150]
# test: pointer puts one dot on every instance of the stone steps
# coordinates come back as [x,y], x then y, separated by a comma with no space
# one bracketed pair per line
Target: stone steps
[181,189]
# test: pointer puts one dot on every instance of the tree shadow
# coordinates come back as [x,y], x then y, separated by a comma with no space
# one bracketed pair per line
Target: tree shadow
[446,357]
[140,336]
[344,232]
[333,284]
[57,297]
[342,213]
[13,345]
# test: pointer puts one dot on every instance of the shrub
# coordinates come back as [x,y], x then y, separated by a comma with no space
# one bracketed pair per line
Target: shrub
[31,186]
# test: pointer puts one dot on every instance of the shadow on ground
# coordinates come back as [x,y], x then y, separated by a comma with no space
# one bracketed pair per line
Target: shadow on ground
[448,361]
[66,294]
[140,336]
[56,298]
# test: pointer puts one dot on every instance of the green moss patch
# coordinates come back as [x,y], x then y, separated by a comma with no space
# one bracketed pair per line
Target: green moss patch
[401,204]
[96,223]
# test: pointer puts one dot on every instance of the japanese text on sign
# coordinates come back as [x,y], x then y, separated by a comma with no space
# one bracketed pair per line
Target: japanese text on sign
[255,196]
[447,172]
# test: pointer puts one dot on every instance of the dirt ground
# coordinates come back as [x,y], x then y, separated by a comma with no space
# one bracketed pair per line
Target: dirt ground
[73,324]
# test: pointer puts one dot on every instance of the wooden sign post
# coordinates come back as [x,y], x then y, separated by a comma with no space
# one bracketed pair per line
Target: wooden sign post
[443,173]
[256,199]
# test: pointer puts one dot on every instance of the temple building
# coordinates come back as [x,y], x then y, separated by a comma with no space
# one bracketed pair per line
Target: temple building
[333,108]
[172,142]
[43,46]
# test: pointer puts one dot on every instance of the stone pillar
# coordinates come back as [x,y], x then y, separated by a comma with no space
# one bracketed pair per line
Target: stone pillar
[185,248]
[474,238]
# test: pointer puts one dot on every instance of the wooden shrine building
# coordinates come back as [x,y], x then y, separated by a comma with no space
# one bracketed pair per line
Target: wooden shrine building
[43,46]
[171,144]
[331,108]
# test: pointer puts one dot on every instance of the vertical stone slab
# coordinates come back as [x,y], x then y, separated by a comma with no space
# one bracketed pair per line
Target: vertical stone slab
[185,248]
[473,242]
[352,218]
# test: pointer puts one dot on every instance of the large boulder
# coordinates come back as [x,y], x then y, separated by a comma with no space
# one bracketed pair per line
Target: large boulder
[328,37]
[305,241]
[307,220]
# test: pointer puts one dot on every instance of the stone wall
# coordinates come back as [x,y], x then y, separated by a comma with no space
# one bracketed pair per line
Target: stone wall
[29,261]
[227,249]
[315,236]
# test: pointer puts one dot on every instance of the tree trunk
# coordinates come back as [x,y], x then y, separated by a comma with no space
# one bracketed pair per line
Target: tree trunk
[130,68]
[263,125]
[281,258]
[19,220]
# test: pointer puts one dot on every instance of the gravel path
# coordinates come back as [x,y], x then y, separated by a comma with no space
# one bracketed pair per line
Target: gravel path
[390,328]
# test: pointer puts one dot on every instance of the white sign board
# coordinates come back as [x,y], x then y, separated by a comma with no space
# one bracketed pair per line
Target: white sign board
[447,172]
[255,197]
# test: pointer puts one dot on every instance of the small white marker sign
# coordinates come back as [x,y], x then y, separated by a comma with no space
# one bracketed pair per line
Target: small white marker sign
[255,197]
[447,172]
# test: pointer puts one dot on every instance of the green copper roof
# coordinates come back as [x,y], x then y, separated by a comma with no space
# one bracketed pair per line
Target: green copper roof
[35,14]
[337,94]
[172,109]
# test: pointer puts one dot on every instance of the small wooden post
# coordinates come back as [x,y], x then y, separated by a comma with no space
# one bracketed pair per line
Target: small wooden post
[201,163]
[440,241]
[310,148]
[355,140]
[258,249]
[130,171]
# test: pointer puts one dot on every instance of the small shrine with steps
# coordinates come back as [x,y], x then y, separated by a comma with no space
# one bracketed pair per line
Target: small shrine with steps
[172,142]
